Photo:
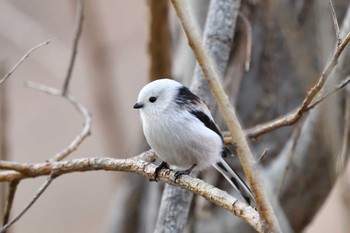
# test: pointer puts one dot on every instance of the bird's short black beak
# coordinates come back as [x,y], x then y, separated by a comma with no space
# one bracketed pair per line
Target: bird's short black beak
[138,105]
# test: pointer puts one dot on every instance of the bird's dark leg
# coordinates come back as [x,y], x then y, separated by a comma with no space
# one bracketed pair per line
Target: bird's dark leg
[160,167]
[183,172]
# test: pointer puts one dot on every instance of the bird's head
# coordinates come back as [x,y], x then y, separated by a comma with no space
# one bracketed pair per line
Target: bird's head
[156,96]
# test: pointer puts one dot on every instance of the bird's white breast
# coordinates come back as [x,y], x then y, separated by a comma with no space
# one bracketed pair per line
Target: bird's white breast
[180,139]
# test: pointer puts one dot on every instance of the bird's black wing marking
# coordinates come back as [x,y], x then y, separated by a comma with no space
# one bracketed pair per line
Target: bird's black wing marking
[211,125]
[186,97]
[206,121]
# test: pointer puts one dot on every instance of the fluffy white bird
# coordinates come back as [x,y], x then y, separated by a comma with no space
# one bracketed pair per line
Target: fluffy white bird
[180,129]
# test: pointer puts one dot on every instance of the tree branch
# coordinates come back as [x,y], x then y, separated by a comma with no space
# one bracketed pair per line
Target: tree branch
[228,112]
[20,171]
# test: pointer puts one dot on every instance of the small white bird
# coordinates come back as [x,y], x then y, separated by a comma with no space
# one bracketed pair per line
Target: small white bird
[180,129]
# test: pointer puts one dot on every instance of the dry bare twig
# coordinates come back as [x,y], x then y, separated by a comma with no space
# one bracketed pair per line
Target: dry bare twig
[247,160]
[78,30]
[328,94]
[40,191]
[316,101]
[295,139]
[335,22]
[135,165]
[22,60]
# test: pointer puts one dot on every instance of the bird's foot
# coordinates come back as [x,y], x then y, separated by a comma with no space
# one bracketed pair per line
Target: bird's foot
[183,172]
[160,167]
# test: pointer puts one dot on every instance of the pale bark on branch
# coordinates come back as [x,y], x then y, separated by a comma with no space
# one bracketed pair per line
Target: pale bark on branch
[17,171]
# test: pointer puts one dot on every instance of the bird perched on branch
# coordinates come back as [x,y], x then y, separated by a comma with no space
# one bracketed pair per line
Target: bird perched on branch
[180,129]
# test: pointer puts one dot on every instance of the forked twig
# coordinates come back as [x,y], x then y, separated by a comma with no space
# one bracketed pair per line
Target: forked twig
[40,191]
[13,185]
[293,117]
[328,94]
[80,108]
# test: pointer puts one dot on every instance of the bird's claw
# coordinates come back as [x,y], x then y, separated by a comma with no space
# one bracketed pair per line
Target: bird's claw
[158,168]
[183,172]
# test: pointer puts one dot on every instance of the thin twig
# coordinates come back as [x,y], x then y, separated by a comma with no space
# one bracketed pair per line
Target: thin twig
[22,60]
[328,94]
[135,165]
[40,191]
[249,40]
[78,30]
[295,139]
[293,117]
[10,198]
[262,156]
[86,131]
[335,22]
[245,155]
[252,133]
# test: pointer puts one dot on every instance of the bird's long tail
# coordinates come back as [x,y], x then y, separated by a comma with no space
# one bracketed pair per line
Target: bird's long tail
[235,180]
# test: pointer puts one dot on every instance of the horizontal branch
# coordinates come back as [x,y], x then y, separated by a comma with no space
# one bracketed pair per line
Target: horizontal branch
[17,171]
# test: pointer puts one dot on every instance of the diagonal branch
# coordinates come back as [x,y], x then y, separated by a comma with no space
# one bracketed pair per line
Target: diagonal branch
[135,165]
[245,155]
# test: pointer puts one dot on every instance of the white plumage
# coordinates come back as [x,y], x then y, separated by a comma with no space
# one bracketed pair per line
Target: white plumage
[180,129]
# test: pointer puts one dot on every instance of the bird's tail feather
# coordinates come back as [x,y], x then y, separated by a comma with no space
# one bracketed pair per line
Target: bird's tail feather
[235,180]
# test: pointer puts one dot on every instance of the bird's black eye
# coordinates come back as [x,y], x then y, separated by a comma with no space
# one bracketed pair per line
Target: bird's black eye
[152,99]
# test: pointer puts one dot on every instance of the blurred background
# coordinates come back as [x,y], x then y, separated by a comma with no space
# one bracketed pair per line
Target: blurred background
[112,65]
